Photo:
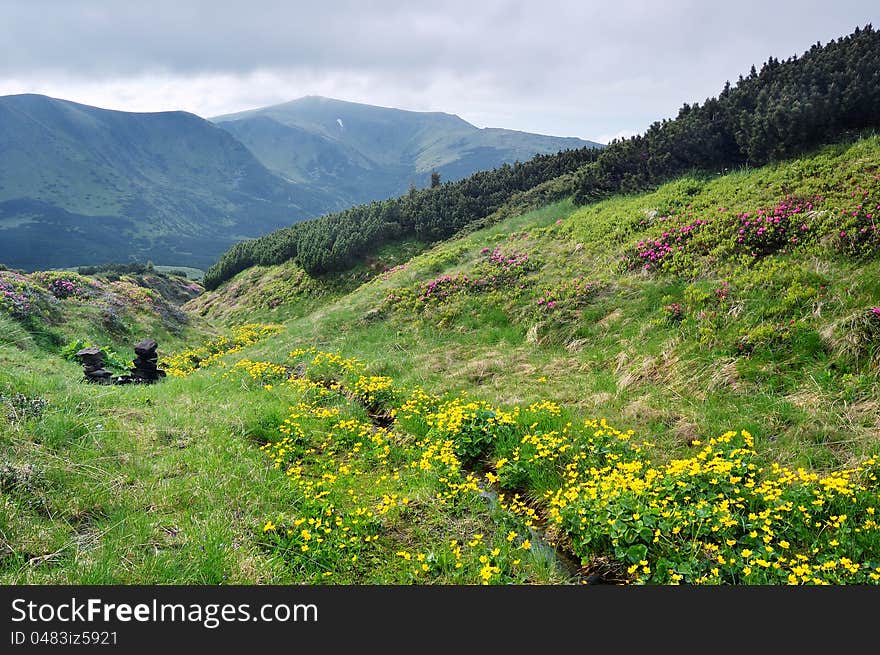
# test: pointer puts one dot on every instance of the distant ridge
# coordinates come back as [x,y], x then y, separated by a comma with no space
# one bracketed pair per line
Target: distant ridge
[365,152]
[79,185]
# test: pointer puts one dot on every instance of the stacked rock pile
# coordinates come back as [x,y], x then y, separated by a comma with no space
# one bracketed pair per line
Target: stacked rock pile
[145,369]
[92,360]
[145,363]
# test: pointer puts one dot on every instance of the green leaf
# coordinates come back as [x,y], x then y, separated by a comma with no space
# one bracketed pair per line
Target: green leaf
[636,553]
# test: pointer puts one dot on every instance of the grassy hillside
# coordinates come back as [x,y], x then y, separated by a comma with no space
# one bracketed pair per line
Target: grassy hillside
[712,315]
[671,387]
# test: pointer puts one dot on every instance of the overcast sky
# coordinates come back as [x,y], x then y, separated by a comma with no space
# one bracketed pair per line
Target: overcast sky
[579,68]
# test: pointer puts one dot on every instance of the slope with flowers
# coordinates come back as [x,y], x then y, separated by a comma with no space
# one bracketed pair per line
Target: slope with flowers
[672,387]
[731,323]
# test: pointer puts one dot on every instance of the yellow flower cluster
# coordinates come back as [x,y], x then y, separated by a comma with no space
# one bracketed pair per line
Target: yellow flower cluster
[546,407]
[264,372]
[698,507]
[716,517]
[326,449]
[374,389]
[547,445]
[186,362]
[451,416]
[489,563]
[334,360]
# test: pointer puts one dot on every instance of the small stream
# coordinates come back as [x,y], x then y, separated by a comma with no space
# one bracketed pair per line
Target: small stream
[564,562]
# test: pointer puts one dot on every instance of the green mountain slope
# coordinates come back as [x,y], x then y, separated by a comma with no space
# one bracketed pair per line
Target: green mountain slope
[369,153]
[668,387]
[311,158]
[748,301]
[82,185]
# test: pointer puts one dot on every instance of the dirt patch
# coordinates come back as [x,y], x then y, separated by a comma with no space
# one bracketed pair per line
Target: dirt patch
[609,319]
[725,376]
[577,345]
[601,399]
[657,370]
[641,410]
[686,431]
[485,369]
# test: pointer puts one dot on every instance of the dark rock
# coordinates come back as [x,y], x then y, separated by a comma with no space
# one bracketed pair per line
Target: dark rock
[99,377]
[145,366]
[146,349]
[91,357]
[145,369]
[595,579]
[92,360]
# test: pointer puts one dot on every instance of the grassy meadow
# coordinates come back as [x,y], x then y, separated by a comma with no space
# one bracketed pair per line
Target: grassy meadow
[671,387]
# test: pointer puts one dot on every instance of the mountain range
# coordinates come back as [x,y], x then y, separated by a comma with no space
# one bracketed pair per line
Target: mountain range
[362,152]
[84,185]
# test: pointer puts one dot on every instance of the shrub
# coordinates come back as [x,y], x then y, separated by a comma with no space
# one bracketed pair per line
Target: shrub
[673,313]
[63,288]
[775,229]
[857,233]
[496,270]
[16,295]
[566,296]
[653,253]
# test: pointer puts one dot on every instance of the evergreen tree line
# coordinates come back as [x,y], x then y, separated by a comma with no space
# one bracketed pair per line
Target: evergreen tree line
[337,241]
[786,108]
[777,112]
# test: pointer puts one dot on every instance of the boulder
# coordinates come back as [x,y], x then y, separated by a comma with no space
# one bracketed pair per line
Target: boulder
[145,369]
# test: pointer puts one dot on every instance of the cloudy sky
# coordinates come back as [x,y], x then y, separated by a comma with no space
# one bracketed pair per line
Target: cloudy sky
[578,68]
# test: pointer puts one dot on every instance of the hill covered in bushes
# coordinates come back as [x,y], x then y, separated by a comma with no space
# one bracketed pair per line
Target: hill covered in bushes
[783,109]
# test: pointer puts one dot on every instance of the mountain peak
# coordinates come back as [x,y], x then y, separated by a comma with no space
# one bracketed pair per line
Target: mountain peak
[351,142]
[316,103]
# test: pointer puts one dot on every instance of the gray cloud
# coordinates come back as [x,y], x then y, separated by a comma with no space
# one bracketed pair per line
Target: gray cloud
[579,68]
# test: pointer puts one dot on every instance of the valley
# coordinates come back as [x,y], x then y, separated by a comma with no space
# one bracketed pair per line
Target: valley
[653,363]
[657,415]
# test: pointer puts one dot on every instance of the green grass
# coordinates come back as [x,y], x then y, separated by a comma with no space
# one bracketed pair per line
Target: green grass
[689,375]
[168,483]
